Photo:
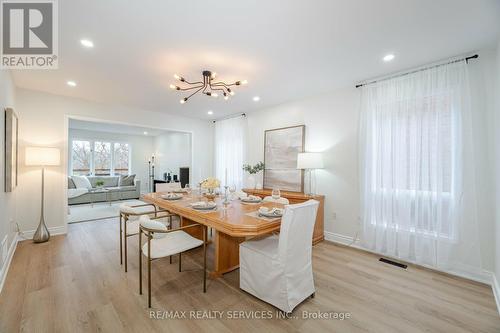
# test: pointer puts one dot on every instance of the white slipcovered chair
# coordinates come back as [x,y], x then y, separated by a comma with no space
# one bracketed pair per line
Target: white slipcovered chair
[167,187]
[283,201]
[278,269]
[129,223]
[162,242]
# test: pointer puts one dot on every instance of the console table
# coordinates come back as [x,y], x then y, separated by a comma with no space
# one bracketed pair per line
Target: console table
[296,197]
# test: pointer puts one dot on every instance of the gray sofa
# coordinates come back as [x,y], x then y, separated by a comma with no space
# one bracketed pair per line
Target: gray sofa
[112,183]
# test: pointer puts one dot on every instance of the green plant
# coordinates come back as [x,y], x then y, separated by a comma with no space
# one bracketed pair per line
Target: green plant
[253,169]
[99,183]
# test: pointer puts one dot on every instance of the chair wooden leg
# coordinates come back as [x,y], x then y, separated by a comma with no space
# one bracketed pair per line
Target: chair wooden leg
[125,244]
[140,265]
[180,259]
[149,271]
[313,295]
[121,241]
[170,259]
[204,259]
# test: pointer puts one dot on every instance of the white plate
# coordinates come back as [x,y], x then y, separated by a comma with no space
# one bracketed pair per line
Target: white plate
[178,197]
[251,200]
[204,207]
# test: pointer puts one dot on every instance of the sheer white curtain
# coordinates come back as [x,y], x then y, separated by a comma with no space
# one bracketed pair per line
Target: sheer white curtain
[417,169]
[230,147]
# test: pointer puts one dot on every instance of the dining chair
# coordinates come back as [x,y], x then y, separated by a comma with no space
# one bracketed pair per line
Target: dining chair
[283,201]
[129,223]
[277,269]
[163,242]
[167,187]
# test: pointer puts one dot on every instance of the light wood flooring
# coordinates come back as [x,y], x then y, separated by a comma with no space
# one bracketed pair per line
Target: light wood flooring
[74,283]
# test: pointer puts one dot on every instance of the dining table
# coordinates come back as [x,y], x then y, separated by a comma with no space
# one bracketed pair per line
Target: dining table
[233,221]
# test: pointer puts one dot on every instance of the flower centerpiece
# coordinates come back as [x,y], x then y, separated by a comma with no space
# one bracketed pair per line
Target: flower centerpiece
[210,184]
[253,170]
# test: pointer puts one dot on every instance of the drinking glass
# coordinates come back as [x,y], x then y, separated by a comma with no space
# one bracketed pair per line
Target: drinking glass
[276,194]
[232,189]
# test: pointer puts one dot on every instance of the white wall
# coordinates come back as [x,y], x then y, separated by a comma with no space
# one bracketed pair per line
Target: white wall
[172,151]
[43,121]
[141,148]
[7,200]
[331,127]
[496,165]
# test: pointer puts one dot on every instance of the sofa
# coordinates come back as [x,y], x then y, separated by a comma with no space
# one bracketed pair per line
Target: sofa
[120,188]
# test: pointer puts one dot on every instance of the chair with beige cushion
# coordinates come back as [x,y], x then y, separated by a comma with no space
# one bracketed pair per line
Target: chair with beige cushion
[278,268]
[129,223]
[283,201]
[167,187]
[162,242]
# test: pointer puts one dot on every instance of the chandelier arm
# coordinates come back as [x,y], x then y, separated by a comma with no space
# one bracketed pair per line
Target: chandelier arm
[199,82]
[220,83]
[190,88]
[193,93]
[216,88]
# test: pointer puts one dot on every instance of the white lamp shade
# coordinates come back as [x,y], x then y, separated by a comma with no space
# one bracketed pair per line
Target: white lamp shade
[309,161]
[44,156]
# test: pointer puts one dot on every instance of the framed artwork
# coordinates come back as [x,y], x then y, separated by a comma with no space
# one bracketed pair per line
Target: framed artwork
[11,149]
[281,147]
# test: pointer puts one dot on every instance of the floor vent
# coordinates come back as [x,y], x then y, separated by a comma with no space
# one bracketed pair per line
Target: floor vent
[390,262]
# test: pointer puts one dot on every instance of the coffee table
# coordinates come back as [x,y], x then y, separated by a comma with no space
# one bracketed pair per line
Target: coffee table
[95,191]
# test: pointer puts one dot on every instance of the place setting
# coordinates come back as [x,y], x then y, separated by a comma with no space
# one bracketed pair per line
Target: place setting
[268,214]
[250,199]
[204,206]
[172,196]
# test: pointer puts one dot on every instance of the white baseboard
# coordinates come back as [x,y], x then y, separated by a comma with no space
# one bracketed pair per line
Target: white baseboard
[25,235]
[483,276]
[5,267]
[496,290]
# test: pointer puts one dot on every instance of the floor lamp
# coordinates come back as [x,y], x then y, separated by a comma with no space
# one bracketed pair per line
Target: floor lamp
[310,162]
[42,156]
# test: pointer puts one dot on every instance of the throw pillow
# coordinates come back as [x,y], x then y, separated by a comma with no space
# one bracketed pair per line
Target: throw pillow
[81,182]
[127,180]
[71,183]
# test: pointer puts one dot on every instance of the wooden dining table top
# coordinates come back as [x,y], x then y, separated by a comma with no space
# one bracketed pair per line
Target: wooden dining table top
[231,219]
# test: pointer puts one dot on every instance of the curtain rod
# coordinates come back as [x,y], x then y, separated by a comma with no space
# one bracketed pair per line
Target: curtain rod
[229,117]
[475,56]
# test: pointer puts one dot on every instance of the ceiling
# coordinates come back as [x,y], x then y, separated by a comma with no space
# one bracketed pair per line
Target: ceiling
[285,49]
[114,128]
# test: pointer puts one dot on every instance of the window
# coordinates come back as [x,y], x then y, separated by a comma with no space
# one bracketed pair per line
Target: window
[99,158]
[102,158]
[121,159]
[81,158]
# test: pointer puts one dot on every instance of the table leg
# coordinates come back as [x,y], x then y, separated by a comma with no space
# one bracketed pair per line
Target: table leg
[227,254]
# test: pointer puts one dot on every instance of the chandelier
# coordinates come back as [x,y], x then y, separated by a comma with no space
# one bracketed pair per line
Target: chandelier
[207,87]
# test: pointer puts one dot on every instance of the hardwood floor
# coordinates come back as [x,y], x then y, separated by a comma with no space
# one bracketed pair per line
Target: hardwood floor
[74,283]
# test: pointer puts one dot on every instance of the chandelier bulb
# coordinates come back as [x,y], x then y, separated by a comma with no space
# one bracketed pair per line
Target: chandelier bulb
[184,100]
[173,87]
[231,93]
[215,95]
[244,82]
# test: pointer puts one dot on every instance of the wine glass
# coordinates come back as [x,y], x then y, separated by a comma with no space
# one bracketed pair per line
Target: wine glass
[276,194]
[232,189]
[187,188]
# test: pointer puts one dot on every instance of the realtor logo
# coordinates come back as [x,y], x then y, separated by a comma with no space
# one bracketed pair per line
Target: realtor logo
[29,34]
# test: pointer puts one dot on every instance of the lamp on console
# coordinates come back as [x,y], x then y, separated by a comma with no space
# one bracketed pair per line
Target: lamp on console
[42,156]
[310,162]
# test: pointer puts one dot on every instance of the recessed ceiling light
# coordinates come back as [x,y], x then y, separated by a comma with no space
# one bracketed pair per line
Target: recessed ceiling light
[87,43]
[71,83]
[210,112]
[145,133]
[388,57]
[256,98]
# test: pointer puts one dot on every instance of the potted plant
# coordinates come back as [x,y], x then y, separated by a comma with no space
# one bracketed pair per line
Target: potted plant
[253,170]
[99,183]
[210,184]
